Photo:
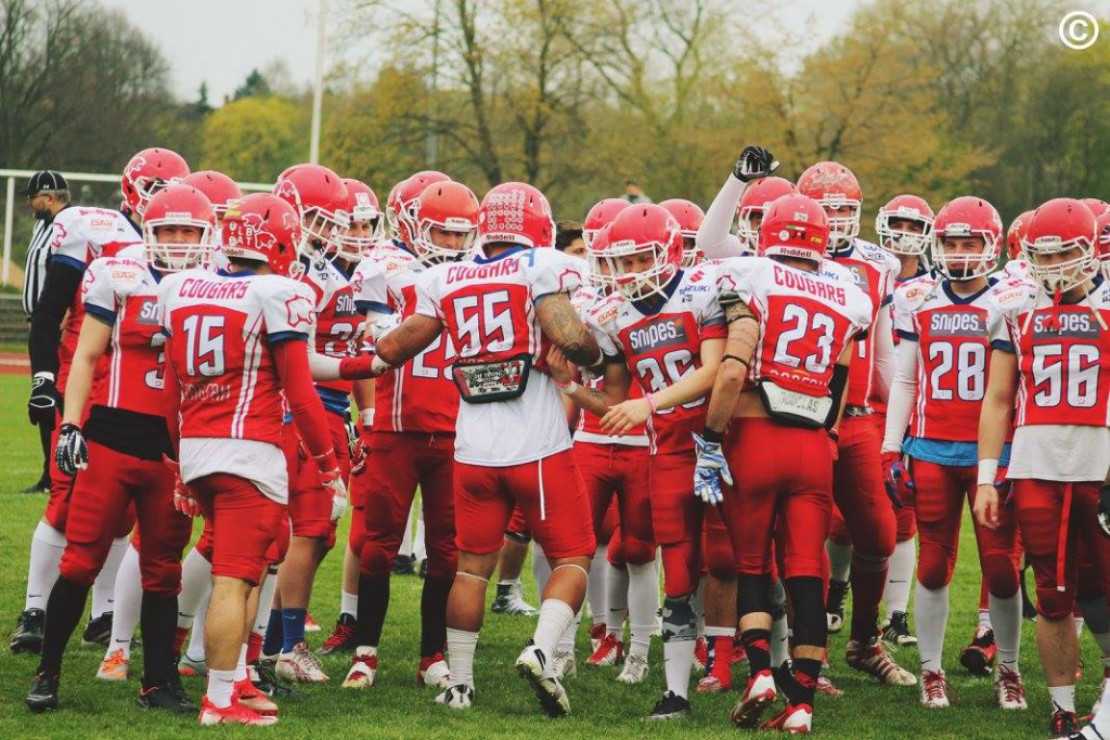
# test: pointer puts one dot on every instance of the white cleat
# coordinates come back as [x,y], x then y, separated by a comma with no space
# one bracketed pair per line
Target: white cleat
[1009,690]
[114,667]
[635,670]
[759,694]
[565,665]
[364,669]
[459,696]
[873,659]
[934,690]
[434,672]
[552,696]
[301,666]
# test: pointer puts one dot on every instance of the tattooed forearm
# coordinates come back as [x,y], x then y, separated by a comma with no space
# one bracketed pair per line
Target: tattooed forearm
[408,339]
[561,324]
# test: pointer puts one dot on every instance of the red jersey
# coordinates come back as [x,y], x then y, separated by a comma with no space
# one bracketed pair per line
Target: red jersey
[662,344]
[419,396]
[122,292]
[874,271]
[338,327]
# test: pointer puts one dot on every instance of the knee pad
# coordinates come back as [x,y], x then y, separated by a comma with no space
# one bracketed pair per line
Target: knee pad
[374,561]
[1055,605]
[1002,577]
[633,551]
[680,570]
[78,569]
[443,568]
[679,621]
[933,569]
[810,625]
[753,594]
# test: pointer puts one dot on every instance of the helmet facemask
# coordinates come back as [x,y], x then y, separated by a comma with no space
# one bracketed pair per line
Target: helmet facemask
[176,256]
[1061,276]
[965,266]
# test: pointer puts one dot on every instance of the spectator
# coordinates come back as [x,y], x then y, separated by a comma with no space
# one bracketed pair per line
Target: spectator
[568,238]
[47,193]
[633,193]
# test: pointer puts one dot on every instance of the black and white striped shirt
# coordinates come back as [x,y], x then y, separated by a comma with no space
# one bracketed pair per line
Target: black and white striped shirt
[38,253]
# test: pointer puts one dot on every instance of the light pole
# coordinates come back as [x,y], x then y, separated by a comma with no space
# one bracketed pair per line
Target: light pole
[318,90]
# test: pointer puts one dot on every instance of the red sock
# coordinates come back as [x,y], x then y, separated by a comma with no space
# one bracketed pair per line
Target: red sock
[179,639]
[868,583]
[254,647]
[722,659]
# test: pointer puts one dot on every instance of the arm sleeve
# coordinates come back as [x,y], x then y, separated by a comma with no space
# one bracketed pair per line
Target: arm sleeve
[884,352]
[714,239]
[903,393]
[171,399]
[58,292]
[291,361]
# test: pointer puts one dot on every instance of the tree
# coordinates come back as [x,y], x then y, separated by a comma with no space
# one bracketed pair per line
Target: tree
[254,86]
[255,138]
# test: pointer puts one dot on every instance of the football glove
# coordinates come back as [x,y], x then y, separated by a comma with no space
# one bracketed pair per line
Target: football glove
[710,470]
[71,454]
[896,478]
[1104,510]
[754,162]
[44,402]
[183,500]
[333,481]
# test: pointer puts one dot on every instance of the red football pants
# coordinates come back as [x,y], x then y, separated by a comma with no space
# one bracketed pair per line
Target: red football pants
[244,524]
[609,469]
[676,518]
[310,501]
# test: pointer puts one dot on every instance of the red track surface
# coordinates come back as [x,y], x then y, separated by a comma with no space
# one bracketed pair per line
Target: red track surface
[14,363]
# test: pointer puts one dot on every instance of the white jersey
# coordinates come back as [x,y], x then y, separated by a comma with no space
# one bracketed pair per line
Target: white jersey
[488,306]
[1017,269]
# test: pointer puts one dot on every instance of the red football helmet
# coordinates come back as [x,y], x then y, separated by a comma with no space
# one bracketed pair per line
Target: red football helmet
[757,196]
[1015,234]
[794,226]
[319,197]
[599,273]
[1062,226]
[967,216]
[148,172]
[402,201]
[902,241]
[835,187]
[1098,207]
[1102,229]
[178,205]
[362,209]
[219,188]
[446,206]
[264,228]
[643,229]
[601,214]
[689,217]
[515,213]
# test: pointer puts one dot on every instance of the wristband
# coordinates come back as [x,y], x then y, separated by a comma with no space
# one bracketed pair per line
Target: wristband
[326,461]
[651,402]
[988,472]
[711,435]
[366,417]
[568,388]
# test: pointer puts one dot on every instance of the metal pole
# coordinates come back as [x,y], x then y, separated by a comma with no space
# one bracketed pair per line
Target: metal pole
[432,155]
[318,92]
[9,214]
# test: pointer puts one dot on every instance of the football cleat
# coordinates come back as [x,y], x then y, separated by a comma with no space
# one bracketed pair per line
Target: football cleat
[609,651]
[433,672]
[598,631]
[43,694]
[342,637]
[511,601]
[794,719]
[710,684]
[404,565]
[114,667]
[364,669]
[635,670]
[934,690]
[701,654]
[978,657]
[247,694]
[670,706]
[834,607]
[263,675]
[191,667]
[235,714]
[827,687]
[1063,724]
[165,697]
[566,665]
[311,625]
[758,696]
[27,637]
[896,631]
[459,696]
[551,694]
[301,666]
[1009,690]
[98,631]
[872,659]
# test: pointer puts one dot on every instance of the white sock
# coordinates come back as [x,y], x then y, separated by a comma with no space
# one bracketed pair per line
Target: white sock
[616,599]
[932,618]
[985,619]
[1006,618]
[780,626]
[643,606]
[899,577]
[555,617]
[419,551]
[678,662]
[47,546]
[1101,720]
[196,587]
[241,666]
[596,587]
[541,569]
[104,586]
[699,608]
[128,606]
[1079,622]
[196,650]
[840,560]
[1063,697]
[265,602]
[220,685]
[348,604]
[566,642]
[406,541]
[460,650]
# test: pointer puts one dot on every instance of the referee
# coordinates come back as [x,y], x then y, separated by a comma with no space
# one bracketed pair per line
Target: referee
[47,193]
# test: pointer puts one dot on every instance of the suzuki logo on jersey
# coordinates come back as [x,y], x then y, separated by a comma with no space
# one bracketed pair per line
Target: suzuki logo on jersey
[1052,325]
[150,312]
[666,332]
[860,277]
[958,324]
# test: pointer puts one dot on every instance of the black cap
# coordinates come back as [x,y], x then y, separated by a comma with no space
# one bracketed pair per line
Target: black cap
[47,181]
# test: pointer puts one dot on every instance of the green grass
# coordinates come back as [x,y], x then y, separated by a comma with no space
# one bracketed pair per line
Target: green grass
[505,707]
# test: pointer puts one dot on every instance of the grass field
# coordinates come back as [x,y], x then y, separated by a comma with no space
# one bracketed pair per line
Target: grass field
[505,707]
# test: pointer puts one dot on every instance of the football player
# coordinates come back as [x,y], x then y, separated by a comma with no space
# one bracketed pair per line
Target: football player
[690,218]
[746,202]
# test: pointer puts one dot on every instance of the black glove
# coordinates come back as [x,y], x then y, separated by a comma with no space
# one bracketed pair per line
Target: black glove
[71,454]
[44,402]
[754,162]
[1104,510]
